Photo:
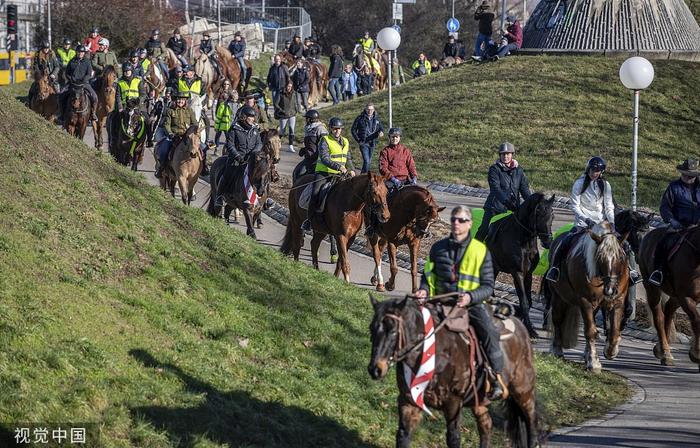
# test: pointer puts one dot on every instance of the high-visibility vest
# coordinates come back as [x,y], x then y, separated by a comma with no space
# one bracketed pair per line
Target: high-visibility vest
[367,44]
[224,117]
[195,88]
[469,269]
[338,154]
[426,64]
[129,89]
[145,64]
[65,56]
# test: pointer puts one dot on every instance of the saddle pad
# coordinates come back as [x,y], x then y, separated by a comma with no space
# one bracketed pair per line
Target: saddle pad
[459,320]
[305,197]
[506,328]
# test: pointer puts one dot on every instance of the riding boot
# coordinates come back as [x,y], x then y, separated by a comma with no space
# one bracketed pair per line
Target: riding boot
[489,339]
[553,272]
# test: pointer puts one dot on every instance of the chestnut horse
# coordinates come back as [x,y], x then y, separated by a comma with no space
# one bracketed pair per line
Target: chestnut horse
[397,334]
[106,97]
[185,166]
[342,216]
[77,114]
[232,69]
[318,75]
[45,101]
[413,210]
[595,274]
[381,79]
[681,283]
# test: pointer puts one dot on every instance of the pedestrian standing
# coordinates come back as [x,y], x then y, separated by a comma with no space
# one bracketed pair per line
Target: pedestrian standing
[285,112]
[349,82]
[334,73]
[300,78]
[277,78]
[366,129]
[485,17]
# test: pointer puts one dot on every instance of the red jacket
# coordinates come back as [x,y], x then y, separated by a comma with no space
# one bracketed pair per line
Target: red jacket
[397,161]
[515,34]
[91,43]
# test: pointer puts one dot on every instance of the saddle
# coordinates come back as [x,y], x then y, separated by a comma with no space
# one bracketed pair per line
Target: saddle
[671,242]
[305,197]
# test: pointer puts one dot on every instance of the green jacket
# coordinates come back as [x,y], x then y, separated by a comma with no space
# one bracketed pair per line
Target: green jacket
[178,120]
[102,59]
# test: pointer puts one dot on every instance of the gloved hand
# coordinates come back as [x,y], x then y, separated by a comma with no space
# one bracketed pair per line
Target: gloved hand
[171,136]
[414,181]
[395,181]
[675,224]
[589,222]
[343,170]
[511,205]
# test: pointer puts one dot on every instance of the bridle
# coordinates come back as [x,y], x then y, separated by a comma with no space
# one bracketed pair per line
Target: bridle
[532,232]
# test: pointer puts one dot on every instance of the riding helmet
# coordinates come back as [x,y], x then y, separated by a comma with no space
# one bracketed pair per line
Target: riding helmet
[596,164]
[104,42]
[134,53]
[45,44]
[248,111]
[81,49]
[335,123]
[169,91]
[95,30]
[67,41]
[143,51]
[126,66]
[187,68]
[505,148]
[155,32]
[312,114]
[394,131]
[206,34]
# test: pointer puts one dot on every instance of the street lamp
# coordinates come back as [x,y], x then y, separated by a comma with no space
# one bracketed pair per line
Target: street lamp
[389,39]
[636,73]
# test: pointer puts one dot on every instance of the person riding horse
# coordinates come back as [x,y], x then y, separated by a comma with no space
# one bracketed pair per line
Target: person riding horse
[680,208]
[460,263]
[104,57]
[45,61]
[507,185]
[207,47]
[135,63]
[65,53]
[78,73]
[154,47]
[237,49]
[367,43]
[130,88]
[91,43]
[296,48]
[333,158]
[178,45]
[242,142]
[178,120]
[314,130]
[190,84]
[312,50]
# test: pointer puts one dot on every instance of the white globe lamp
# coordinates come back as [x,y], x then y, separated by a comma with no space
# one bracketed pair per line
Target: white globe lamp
[389,39]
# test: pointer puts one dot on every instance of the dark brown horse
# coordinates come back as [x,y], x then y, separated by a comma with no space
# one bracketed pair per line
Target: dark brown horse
[318,75]
[512,242]
[45,101]
[397,327]
[342,216]
[77,114]
[595,274]
[130,128]
[681,283]
[232,69]
[413,210]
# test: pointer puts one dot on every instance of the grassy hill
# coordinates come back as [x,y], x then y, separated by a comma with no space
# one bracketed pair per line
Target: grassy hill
[159,326]
[559,111]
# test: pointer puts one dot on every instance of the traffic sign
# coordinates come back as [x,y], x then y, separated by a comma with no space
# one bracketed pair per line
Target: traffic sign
[452,25]
[398,11]
[397,27]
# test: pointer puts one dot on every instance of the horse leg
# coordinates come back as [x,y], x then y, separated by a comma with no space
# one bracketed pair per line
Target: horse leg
[409,417]
[484,424]
[315,244]
[591,334]
[334,249]
[524,308]
[377,250]
[690,308]
[182,184]
[343,263]
[557,314]
[613,322]
[453,415]
[250,231]
[393,267]
[662,349]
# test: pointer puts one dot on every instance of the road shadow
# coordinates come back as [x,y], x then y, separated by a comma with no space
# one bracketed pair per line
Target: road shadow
[235,418]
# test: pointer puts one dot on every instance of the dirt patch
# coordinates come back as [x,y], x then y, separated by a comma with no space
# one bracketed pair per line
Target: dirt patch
[644,318]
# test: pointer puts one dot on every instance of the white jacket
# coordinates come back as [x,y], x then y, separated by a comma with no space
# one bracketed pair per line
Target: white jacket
[590,204]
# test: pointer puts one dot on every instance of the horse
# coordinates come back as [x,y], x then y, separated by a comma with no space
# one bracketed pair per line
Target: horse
[512,242]
[232,69]
[362,58]
[129,136]
[342,216]
[318,75]
[170,59]
[205,70]
[155,79]
[106,97]
[45,101]
[413,210]
[397,335]
[257,169]
[185,166]
[682,285]
[77,113]
[594,275]
[381,78]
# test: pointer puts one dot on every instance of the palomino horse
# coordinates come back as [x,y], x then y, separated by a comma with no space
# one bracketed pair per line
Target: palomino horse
[106,96]
[413,210]
[45,101]
[681,283]
[381,79]
[397,334]
[595,274]
[170,59]
[129,136]
[512,242]
[184,167]
[342,216]
[232,69]
[77,114]
[257,169]
[205,70]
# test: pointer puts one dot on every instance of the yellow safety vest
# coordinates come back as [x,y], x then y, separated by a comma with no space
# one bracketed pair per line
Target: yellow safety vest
[426,64]
[65,56]
[145,64]
[223,117]
[129,89]
[367,44]
[469,269]
[196,86]
[338,154]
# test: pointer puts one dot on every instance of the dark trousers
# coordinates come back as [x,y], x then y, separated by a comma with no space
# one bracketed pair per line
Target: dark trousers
[488,336]
[563,249]
[319,180]
[484,227]
[663,248]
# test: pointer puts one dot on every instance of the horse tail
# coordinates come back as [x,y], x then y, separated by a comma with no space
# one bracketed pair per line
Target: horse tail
[249,74]
[520,430]
[546,296]
[569,325]
[293,231]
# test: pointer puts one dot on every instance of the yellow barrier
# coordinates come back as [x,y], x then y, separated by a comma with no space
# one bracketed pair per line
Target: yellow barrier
[19,60]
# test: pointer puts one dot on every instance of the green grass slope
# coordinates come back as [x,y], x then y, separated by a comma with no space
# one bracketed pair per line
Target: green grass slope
[159,326]
[558,111]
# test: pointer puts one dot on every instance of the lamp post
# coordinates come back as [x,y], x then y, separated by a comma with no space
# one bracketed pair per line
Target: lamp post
[636,73]
[389,39]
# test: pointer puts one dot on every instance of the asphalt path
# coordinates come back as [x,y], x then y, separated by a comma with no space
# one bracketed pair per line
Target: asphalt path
[666,404]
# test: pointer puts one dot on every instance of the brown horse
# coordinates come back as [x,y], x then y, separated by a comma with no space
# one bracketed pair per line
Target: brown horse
[45,101]
[77,114]
[232,69]
[681,283]
[129,136]
[381,79]
[413,210]
[185,166]
[342,216]
[397,334]
[210,81]
[155,79]
[106,97]
[318,75]
[594,275]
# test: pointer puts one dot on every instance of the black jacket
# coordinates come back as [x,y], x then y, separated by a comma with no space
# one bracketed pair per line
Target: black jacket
[485,19]
[278,77]
[296,50]
[506,185]
[336,68]
[237,49]
[680,202]
[179,47]
[242,141]
[313,51]
[365,130]
[206,47]
[450,50]
[79,71]
[446,256]
[300,78]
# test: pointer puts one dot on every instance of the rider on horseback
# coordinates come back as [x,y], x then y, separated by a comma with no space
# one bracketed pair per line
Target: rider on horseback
[177,120]
[45,61]
[129,87]
[313,132]
[333,158]
[78,73]
[66,53]
[237,50]
[91,42]
[178,45]
[154,47]
[190,84]
[135,63]
[242,141]
[460,263]
[207,47]
[680,207]
[312,50]
[367,43]
[296,48]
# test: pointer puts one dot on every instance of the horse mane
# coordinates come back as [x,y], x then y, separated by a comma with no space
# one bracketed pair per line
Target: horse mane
[224,54]
[608,250]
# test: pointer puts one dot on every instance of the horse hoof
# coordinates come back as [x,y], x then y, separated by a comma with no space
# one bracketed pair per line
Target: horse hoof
[694,357]
[380,287]
[389,287]
[657,351]
[595,369]
[667,360]
[373,280]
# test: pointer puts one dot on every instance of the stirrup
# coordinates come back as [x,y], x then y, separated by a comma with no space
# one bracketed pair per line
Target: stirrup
[499,391]
[553,274]
[219,201]
[635,276]
[306,225]
[656,278]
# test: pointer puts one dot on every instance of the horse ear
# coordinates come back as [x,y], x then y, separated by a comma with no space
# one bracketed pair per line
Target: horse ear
[551,199]
[441,209]
[402,303]
[598,239]
[374,301]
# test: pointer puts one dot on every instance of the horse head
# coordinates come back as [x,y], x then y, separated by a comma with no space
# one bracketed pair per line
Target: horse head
[107,80]
[258,168]
[133,118]
[272,144]
[632,226]
[193,141]
[427,213]
[393,325]
[606,260]
[375,197]
[537,212]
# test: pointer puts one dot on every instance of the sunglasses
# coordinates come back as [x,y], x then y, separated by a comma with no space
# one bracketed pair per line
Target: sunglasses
[460,220]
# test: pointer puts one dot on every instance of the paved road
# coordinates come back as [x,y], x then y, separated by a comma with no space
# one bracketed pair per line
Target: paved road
[666,405]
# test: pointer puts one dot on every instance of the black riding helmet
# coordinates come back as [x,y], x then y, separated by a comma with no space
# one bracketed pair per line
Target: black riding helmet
[134,54]
[126,66]
[312,114]
[67,41]
[45,44]
[248,111]
[335,123]
[596,163]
